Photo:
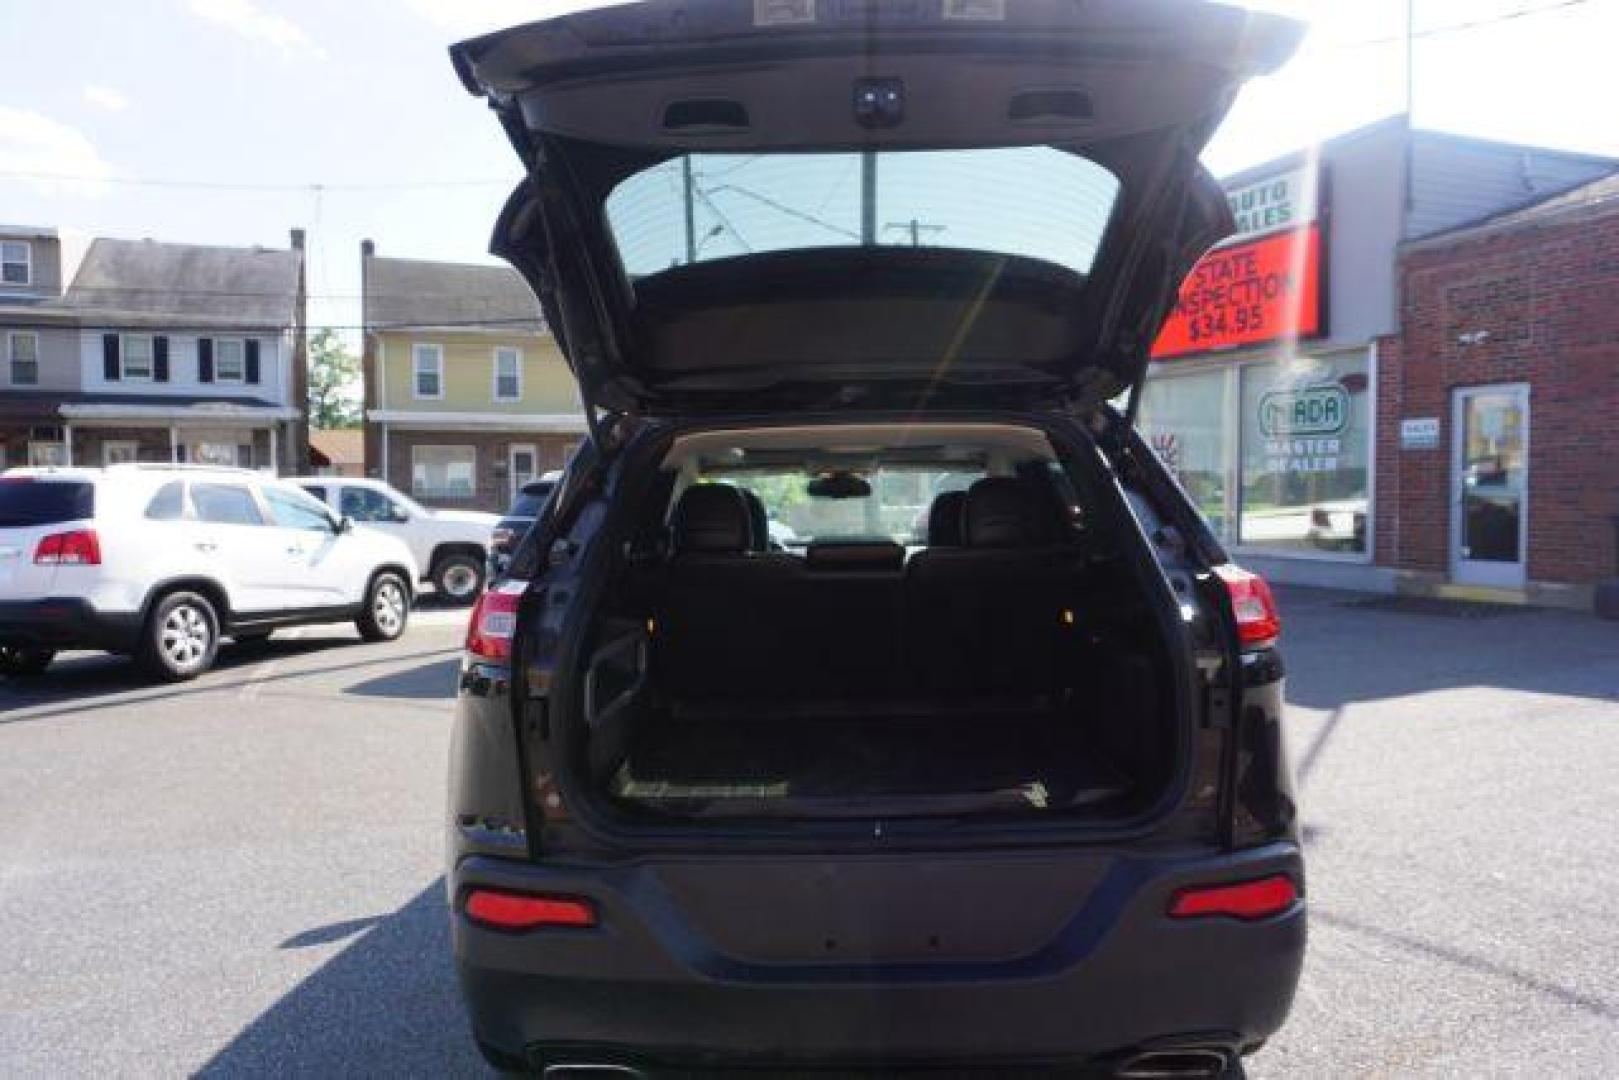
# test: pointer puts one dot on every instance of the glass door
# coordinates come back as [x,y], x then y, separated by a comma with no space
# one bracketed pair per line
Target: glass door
[1490,485]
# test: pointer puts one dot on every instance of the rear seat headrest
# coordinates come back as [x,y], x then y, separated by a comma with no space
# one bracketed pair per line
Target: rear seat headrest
[1004,512]
[758,521]
[711,518]
[944,519]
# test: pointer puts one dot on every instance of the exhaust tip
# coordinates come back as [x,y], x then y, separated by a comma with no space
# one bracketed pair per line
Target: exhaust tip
[1187,1064]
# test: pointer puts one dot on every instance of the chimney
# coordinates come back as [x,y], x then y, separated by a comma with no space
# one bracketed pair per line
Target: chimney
[297,239]
[367,249]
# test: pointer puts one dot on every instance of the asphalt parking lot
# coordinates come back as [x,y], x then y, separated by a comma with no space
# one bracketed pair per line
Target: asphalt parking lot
[241,876]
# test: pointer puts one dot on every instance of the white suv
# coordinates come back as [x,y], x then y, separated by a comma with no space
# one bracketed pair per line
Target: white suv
[450,546]
[161,562]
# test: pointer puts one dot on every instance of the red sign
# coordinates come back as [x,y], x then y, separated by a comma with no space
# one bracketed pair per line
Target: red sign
[1264,290]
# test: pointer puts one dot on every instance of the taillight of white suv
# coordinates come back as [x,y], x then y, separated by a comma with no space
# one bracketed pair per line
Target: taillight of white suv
[77,547]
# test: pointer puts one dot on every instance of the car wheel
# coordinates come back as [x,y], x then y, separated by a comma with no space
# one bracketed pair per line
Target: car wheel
[17,661]
[181,637]
[386,609]
[458,578]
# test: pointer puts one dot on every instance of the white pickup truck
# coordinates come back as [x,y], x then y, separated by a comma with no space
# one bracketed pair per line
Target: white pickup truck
[451,546]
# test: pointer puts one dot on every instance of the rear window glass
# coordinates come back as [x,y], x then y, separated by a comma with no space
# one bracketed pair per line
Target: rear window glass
[25,502]
[1037,202]
[225,504]
[895,506]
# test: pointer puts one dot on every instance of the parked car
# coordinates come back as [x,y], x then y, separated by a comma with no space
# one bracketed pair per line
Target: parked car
[451,546]
[1017,800]
[162,562]
[519,516]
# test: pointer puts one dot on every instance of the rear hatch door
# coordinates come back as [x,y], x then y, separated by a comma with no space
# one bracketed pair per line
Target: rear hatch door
[769,205]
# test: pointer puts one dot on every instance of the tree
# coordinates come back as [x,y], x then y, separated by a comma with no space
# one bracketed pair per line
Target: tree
[334,382]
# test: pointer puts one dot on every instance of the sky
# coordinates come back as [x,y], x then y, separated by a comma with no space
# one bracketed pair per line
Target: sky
[233,121]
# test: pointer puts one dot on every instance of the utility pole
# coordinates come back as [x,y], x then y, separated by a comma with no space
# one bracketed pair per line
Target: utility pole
[1410,99]
[868,198]
[691,211]
[915,228]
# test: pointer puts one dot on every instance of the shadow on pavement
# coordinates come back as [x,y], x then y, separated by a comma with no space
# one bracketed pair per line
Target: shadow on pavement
[1340,651]
[386,1005]
[431,681]
[79,682]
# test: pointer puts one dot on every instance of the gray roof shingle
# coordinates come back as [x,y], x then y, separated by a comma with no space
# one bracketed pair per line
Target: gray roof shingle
[409,293]
[148,281]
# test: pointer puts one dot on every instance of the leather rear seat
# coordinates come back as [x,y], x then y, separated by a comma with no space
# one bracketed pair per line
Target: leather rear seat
[987,617]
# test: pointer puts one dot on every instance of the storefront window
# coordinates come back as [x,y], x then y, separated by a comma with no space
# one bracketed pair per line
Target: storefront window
[1306,429]
[1185,418]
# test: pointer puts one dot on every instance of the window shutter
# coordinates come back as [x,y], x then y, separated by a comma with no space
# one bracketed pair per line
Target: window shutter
[252,349]
[109,357]
[160,358]
[205,359]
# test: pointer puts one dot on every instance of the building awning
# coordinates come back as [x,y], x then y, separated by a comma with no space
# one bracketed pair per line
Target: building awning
[217,413]
[559,423]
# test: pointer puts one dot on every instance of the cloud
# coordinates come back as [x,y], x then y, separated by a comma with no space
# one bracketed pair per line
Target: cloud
[466,18]
[42,152]
[248,19]
[105,97]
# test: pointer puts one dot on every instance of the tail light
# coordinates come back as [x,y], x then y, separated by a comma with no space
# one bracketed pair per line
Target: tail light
[502,537]
[520,911]
[81,547]
[1258,621]
[1258,899]
[494,619]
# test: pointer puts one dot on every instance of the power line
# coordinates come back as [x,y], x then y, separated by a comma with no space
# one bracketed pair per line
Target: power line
[226,185]
[1455,28]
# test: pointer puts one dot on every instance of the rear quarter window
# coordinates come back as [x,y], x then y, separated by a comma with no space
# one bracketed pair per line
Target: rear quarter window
[25,501]
[169,504]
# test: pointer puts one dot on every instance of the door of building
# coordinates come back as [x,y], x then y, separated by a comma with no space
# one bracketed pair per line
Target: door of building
[525,466]
[1489,530]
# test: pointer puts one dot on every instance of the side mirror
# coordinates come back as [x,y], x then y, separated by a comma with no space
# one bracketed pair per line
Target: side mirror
[343,524]
[399,515]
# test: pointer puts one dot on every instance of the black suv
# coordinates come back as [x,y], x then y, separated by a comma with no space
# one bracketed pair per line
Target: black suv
[867,696]
[514,525]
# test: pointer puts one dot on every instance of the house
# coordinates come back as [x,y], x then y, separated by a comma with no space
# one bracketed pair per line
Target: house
[39,343]
[161,352]
[467,395]
[337,451]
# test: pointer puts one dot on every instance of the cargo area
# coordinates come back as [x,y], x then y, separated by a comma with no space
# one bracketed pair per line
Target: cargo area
[825,632]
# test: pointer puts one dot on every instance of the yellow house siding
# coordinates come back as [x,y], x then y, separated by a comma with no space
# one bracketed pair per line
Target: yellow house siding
[469,374]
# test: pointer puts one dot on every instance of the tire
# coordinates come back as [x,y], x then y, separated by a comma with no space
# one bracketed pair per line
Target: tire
[458,578]
[181,637]
[20,661]
[504,1063]
[387,608]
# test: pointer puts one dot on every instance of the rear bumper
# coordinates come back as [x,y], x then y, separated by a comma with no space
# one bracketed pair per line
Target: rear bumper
[66,622]
[645,988]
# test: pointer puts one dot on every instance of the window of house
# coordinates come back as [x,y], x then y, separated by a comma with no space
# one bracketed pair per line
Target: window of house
[135,354]
[443,471]
[216,453]
[46,455]
[428,363]
[508,374]
[225,504]
[229,362]
[24,358]
[16,262]
[119,451]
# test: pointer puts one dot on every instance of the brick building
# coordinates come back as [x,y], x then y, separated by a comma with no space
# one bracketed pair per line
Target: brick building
[1498,406]
[1305,387]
